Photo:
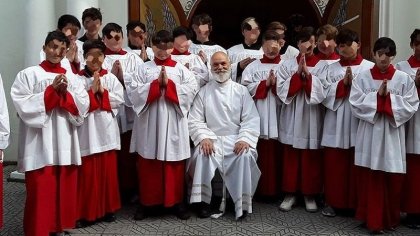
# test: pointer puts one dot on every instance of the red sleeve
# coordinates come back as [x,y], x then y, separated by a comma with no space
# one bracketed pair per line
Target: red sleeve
[67,103]
[342,90]
[154,92]
[380,103]
[171,94]
[75,67]
[51,98]
[295,85]
[93,101]
[388,106]
[308,86]
[262,90]
[106,104]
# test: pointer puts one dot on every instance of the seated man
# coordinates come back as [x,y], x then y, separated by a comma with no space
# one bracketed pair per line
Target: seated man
[224,125]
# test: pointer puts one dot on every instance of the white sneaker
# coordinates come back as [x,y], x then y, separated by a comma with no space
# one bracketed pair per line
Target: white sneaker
[310,204]
[287,203]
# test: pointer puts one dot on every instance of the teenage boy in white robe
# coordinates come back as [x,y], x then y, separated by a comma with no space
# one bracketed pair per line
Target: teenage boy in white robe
[325,43]
[411,190]
[340,126]
[137,38]
[50,101]
[287,51]
[98,191]
[260,77]
[4,141]
[161,94]
[124,65]
[182,55]
[383,99]
[302,88]
[224,126]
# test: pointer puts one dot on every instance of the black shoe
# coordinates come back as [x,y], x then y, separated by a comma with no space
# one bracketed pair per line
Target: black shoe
[182,212]
[243,216]
[140,213]
[204,210]
[83,224]
[109,217]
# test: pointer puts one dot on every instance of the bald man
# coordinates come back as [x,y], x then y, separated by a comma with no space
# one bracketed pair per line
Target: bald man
[224,125]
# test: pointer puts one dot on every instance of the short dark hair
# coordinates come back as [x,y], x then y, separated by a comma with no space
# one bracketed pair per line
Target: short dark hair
[57,35]
[162,36]
[91,44]
[180,31]
[347,36]
[414,36]
[202,19]
[271,35]
[67,19]
[133,24]
[93,13]
[108,28]
[305,34]
[245,23]
[385,43]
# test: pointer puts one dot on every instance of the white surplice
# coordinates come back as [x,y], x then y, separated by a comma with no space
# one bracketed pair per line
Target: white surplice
[195,65]
[209,49]
[290,53]
[160,128]
[46,138]
[302,116]
[380,140]
[268,108]
[100,132]
[226,114]
[130,63]
[149,52]
[340,126]
[4,119]
[238,53]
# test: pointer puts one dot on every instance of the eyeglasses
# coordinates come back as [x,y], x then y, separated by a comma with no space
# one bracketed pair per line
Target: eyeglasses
[117,37]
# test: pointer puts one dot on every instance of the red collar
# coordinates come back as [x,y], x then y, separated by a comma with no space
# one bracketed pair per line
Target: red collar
[356,61]
[332,56]
[109,52]
[53,68]
[311,61]
[176,52]
[167,62]
[85,72]
[414,63]
[266,60]
[378,75]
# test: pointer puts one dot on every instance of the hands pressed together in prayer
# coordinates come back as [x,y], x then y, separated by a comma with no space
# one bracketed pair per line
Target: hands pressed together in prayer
[60,84]
[203,56]
[96,84]
[163,77]
[208,148]
[303,68]
[383,89]
[348,77]
[272,79]
[117,70]
[72,53]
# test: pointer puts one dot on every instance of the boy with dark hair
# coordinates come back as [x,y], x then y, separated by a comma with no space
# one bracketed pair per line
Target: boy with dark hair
[50,102]
[411,193]
[383,99]
[137,38]
[340,126]
[302,88]
[99,140]
[161,94]
[182,55]
[92,21]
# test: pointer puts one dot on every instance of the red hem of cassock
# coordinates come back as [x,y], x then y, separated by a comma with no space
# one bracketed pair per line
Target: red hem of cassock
[161,182]
[378,198]
[411,189]
[339,178]
[302,170]
[51,200]
[98,192]
[127,165]
[269,161]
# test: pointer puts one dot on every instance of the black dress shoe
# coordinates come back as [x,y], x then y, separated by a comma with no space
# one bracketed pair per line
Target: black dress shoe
[243,216]
[83,224]
[204,210]
[182,212]
[109,217]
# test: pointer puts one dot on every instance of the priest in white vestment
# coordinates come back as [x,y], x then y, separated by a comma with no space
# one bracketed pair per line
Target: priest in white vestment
[260,77]
[384,99]
[4,141]
[161,94]
[224,126]
[411,190]
[50,101]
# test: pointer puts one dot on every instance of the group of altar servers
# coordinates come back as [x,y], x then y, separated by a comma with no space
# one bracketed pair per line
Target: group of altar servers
[99,123]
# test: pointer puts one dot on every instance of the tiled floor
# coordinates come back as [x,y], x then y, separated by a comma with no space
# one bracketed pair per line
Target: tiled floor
[266,220]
